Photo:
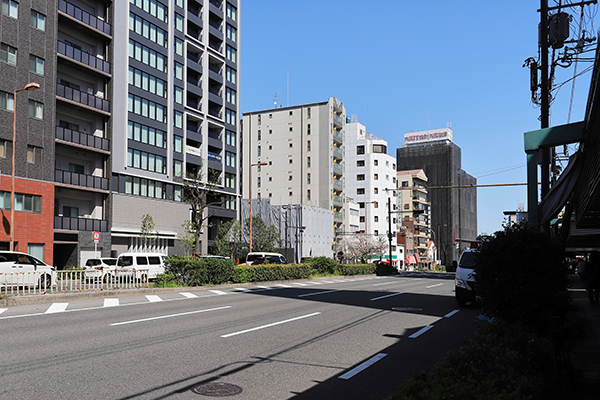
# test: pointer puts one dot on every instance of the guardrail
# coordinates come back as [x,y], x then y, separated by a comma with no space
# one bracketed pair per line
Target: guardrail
[44,282]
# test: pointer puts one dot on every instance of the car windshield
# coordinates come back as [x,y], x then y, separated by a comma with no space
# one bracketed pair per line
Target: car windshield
[467,260]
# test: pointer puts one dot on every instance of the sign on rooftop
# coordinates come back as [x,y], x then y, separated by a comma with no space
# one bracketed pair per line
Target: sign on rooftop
[428,136]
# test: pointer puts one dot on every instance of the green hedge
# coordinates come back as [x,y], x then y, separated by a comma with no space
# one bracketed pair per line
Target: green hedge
[271,272]
[204,271]
[356,269]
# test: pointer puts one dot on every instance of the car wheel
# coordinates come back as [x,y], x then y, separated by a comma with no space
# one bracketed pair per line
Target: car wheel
[45,281]
[461,300]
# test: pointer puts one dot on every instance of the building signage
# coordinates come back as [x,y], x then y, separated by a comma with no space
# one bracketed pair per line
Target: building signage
[428,136]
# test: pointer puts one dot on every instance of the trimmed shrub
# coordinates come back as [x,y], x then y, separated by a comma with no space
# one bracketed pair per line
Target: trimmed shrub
[165,280]
[205,271]
[271,272]
[323,265]
[356,269]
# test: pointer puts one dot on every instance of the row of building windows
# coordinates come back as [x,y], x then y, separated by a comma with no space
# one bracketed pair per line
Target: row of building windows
[145,134]
[23,202]
[152,7]
[8,54]
[148,30]
[147,108]
[35,108]
[230,137]
[147,56]
[145,187]
[230,53]
[146,161]
[11,8]
[147,82]
[230,117]
[231,12]
[290,114]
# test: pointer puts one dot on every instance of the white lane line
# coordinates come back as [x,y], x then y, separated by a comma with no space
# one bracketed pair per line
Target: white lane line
[168,316]
[269,325]
[282,285]
[387,295]
[300,284]
[450,314]
[325,281]
[241,289]
[2,310]
[340,280]
[429,287]
[152,298]
[188,295]
[384,283]
[111,302]
[57,307]
[264,287]
[363,366]
[316,293]
[219,292]
[420,332]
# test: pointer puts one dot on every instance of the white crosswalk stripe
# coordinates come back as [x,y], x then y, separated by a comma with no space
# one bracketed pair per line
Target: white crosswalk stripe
[57,307]
[152,298]
[241,289]
[219,292]
[2,310]
[111,302]
[188,295]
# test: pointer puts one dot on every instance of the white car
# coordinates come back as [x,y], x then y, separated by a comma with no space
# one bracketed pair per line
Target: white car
[22,269]
[464,283]
[100,268]
[147,265]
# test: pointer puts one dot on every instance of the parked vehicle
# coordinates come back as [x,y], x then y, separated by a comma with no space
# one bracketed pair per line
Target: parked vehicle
[103,268]
[22,269]
[265,258]
[464,283]
[132,262]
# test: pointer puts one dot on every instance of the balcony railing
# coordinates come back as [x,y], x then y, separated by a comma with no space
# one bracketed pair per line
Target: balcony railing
[214,157]
[338,167]
[194,58]
[82,138]
[82,97]
[83,16]
[338,120]
[338,215]
[338,152]
[80,224]
[83,57]
[73,178]
[338,135]
[338,183]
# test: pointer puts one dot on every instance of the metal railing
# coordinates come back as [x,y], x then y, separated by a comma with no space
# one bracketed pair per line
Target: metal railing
[82,138]
[82,97]
[83,16]
[83,57]
[44,282]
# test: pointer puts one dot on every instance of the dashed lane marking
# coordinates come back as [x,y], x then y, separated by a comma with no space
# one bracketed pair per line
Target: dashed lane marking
[57,307]
[111,302]
[153,298]
[219,292]
[387,295]
[363,366]
[420,332]
[188,295]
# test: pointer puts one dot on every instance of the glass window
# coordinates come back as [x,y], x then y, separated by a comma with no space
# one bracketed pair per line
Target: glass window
[178,143]
[6,101]
[179,22]
[231,53]
[179,46]
[36,109]
[8,54]
[178,95]
[231,33]
[178,70]
[178,119]
[34,154]
[177,168]
[230,95]
[231,12]
[38,20]
[231,75]
[10,8]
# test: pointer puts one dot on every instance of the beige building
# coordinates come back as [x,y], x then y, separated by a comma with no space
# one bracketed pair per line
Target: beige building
[415,213]
[303,148]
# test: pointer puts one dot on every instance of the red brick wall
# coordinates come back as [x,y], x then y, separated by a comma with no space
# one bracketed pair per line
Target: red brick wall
[31,227]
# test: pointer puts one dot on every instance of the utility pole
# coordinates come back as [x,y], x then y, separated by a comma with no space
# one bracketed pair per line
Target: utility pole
[545,94]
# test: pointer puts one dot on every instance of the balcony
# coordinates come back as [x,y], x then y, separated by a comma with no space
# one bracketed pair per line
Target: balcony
[194,58]
[194,15]
[337,152]
[338,168]
[83,139]
[80,224]
[86,59]
[84,17]
[338,199]
[86,181]
[338,183]
[82,98]
[337,120]
[338,215]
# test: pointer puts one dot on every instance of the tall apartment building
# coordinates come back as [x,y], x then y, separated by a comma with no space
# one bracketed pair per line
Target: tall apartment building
[453,210]
[370,179]
[303,147]
[176,108]
[133,96]
[414,214]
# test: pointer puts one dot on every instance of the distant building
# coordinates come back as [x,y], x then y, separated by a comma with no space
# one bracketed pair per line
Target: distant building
[453,209]
[302,147]
[515,217]
[414,214]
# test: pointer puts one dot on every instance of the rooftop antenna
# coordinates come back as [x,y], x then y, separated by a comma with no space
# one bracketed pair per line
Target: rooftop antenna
[275,98]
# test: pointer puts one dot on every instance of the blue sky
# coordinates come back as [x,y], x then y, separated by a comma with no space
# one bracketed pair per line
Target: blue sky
[403,66]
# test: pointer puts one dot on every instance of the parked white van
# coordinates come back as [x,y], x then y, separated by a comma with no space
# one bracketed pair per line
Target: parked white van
[153,262]
[265,258]
[464,283]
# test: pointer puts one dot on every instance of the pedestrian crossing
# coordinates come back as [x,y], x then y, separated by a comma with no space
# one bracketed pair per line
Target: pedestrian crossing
[60,307]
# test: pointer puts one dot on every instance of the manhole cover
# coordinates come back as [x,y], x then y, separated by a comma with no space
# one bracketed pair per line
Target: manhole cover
[406,309]
[217,389]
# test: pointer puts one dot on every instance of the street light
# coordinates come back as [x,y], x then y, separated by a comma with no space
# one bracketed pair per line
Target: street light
[29,86]
[252,165]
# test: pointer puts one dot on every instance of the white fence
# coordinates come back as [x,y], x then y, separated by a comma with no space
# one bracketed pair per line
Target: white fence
[42,282]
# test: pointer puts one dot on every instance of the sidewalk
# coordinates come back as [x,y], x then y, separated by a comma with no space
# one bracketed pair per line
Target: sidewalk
[585,359]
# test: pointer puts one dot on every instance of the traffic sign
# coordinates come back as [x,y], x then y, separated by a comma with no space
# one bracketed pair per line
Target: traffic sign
[96,237]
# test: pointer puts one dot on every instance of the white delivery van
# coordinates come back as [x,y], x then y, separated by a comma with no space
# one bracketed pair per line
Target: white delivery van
[153,262]
[464,282]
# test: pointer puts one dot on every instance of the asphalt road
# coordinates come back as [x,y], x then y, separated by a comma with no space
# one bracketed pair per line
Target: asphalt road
[348,338]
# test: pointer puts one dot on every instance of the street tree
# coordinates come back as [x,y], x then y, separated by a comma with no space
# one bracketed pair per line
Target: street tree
[148,232]
[228,242]
[264,238]
[200,194]
[360,246]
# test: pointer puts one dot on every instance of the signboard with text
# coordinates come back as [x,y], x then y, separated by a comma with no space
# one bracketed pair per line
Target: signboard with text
[428,136]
